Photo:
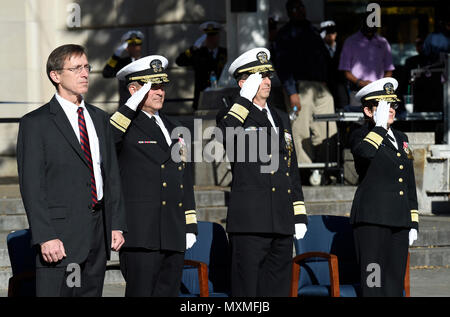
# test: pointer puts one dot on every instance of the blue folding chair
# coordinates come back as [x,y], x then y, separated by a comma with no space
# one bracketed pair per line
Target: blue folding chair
[22,256]
[206,271]
[326,263]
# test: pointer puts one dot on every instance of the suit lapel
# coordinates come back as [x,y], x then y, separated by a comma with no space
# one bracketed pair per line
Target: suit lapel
[64,126]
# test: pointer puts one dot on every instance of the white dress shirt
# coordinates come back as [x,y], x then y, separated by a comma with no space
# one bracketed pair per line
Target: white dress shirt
[161,125]
[391,134]
[71,112]
[269,115]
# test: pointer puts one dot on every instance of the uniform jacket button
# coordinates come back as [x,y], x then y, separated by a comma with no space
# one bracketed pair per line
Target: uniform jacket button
[273,189]
[401,193]
[180,205]
[163,202]
[398,154]
[162,166]
[181,186]
[164,184]
[401,167]
[400,180]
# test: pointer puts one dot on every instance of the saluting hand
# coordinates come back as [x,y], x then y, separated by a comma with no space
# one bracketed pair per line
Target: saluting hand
[250,86]
[137,97]
[381,115]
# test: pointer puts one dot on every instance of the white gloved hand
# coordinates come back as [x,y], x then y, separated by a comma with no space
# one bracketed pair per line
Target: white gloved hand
[136,98]
[381,115]
[300,230]
[199,42]
[190,240]
[121,51]
[251,86]
[412,236]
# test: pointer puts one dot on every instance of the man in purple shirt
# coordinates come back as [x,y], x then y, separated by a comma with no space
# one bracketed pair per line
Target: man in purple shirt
[365,57]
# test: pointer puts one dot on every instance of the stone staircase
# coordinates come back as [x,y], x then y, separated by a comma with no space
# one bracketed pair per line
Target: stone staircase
[432,249]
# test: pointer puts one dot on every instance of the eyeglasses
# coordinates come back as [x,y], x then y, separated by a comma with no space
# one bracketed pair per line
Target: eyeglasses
[78,69]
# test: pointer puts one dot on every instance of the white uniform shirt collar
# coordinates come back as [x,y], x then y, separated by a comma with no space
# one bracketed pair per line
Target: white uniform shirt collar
[161,125]
[269,114]
[391,134]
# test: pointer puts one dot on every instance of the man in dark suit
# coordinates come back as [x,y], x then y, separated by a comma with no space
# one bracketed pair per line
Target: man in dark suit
[70,182]
[129,50]
[385,210]
[157,184]
[266,203]
[206,57]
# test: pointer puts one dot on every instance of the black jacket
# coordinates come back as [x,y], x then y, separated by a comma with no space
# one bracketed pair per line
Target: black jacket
[203,64]
[55,181]
[158,190]
[110,70]
[386,194]
[260,202]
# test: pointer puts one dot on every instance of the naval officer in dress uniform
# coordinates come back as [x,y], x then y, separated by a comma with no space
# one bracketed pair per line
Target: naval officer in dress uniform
[157,186]
[266,206]
[384,211]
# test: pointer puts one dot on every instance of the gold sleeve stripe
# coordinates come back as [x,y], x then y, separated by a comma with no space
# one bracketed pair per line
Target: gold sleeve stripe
[375,137]
[191,217]
[112,62]
[299,210]
[121,120]
[236,116]
[188,53]
[241,111]
[371,142]
[415,215]
[298,203]
[117,126]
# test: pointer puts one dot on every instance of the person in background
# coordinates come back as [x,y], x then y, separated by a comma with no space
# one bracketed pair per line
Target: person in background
[301,60]
[366,57]
[335,80]
[129,50]
[206,57]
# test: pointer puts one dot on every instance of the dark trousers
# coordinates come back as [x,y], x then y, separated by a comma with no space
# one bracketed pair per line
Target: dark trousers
[382,253]
[151,272]
[261,265]
[61,281]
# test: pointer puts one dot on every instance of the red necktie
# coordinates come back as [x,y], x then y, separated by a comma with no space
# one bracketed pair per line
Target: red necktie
[85,147]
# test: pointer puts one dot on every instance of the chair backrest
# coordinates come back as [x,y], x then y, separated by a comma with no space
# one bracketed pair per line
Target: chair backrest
[22,256]
[211,248]
[329,234]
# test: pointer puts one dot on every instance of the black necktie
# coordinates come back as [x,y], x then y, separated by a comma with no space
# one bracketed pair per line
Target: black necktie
[159,129]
